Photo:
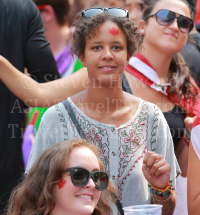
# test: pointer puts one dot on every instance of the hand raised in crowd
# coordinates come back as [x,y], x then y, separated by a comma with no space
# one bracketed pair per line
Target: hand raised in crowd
[189,122]
[156,169]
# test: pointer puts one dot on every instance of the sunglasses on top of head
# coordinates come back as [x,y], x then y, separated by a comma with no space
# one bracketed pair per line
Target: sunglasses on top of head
[114,11]
[167,17]
[81,176]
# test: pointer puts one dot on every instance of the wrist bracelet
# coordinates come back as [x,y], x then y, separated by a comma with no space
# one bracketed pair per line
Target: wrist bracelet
[162,192]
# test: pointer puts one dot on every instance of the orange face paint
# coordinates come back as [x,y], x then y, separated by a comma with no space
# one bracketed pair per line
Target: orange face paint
[114,32]
[61,183]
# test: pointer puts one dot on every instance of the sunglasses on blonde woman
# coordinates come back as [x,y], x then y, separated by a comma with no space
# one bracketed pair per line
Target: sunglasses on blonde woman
[114,11]
[81,176]
[167,17]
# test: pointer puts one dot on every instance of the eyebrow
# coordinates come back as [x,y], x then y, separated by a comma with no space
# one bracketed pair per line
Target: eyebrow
[96,170]
[115,42]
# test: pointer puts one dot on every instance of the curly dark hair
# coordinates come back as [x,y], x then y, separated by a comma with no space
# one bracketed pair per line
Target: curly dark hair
[34,195]
[85,27]
[182,85]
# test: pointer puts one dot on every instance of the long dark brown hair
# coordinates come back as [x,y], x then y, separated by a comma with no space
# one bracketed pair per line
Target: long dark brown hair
[182,85]
[34,195]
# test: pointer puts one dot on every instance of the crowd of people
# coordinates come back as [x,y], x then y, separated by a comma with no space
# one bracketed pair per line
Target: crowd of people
[117,129]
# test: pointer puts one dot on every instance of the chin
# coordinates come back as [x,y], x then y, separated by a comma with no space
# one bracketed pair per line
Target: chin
[87,210]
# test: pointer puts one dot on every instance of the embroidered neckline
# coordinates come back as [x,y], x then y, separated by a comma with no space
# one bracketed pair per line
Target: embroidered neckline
[140,103]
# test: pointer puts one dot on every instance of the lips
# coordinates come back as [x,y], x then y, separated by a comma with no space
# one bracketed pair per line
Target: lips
[171,35]
[107,68]
[87,197]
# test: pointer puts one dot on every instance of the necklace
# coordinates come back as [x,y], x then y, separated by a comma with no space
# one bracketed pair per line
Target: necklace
[123,105]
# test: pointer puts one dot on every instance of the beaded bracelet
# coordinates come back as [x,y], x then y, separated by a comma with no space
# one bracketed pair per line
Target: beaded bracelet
[162,192]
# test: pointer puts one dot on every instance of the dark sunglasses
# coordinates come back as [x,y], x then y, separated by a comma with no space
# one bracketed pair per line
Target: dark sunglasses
[114,11]
[167,17]
[80,177]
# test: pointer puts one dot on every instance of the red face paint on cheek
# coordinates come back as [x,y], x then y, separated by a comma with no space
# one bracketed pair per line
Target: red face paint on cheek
[61,183]
[114,32]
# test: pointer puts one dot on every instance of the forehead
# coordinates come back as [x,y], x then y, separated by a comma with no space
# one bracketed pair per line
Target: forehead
[86,158]
[108,30]
[129,2]
[177,6]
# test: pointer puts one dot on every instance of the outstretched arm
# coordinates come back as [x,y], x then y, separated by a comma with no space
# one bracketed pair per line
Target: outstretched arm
[41,94]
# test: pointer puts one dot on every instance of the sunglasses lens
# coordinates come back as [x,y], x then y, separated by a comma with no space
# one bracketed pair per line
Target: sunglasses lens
[100,180]
[118,12]
[93,11]
[165,17]
[185,24]
[80,177]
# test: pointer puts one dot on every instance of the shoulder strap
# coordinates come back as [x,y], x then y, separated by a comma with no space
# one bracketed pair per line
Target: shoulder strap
[73,118]
[119,207]
[81,133]
[125,85]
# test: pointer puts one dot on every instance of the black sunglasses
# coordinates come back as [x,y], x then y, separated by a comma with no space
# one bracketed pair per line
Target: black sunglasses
[167,17]
[114,11]
[80,177]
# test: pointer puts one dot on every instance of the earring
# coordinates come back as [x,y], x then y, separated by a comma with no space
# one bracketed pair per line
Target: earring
[142,31]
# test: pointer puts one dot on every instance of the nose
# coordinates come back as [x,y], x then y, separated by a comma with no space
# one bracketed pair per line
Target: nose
[107,55]
[90,184]
[174,24]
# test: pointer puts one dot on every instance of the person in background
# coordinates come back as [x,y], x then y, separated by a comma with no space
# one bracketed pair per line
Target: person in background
[153,68]
[135,8]
[24,45]
[79,5]
[191,51]
[56,20]
[193,170]
[59,183]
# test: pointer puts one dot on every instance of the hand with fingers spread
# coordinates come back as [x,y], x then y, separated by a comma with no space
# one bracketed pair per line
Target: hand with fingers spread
[156,170]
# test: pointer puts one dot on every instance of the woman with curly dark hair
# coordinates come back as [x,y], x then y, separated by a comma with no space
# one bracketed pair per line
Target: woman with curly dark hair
[59,183]
[132,133]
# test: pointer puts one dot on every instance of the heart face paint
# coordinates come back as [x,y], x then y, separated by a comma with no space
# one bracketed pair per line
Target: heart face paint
[114,32]
[61,183]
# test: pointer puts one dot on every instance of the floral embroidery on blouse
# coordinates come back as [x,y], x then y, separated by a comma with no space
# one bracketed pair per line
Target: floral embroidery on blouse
[154,128]
[62,120]
[97,136]
[133,136]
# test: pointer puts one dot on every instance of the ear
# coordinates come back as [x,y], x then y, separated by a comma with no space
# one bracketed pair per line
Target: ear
[141,27]
[48,14]
[82,59]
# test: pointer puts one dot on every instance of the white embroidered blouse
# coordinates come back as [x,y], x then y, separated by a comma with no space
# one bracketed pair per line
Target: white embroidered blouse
[123,147]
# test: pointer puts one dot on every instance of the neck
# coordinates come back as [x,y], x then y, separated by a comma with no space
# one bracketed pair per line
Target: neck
[58,36]
[159,61]
[112,97]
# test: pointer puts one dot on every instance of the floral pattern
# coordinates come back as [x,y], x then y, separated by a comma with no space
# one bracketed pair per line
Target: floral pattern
[62,120]
[134,137]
